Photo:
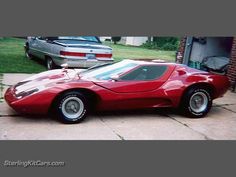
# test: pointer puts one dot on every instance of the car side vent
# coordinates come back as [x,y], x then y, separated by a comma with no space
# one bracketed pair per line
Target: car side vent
[181,71]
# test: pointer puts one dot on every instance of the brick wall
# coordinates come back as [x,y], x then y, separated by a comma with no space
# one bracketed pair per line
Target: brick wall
[180,53]
[232,65]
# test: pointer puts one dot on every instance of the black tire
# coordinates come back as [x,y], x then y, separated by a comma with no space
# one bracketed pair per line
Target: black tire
[27,54]
[50,63]
[189,104]
[65,113]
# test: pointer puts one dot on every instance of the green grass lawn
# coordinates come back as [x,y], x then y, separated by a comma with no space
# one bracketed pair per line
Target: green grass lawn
[13,60]
[131,52]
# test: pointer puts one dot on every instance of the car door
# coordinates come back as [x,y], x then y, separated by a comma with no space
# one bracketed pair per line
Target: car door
[38,47]
[42,46]
[143,79]
[33,46]
[139,88]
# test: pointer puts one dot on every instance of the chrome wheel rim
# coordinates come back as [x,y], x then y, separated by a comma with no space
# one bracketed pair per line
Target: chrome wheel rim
[49,64]
[72,107]
[198,102]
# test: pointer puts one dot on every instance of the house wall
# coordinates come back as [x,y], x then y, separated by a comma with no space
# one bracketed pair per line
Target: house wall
[136,41]
[128,40]
[123,40]
[180,52]
[232,65]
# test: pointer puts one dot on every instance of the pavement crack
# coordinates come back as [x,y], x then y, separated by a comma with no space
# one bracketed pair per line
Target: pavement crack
[117,134]
[205,136]
[223,106]
[229,109]
[220,105]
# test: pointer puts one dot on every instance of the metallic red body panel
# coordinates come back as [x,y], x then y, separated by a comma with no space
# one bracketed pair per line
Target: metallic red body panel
[166,91]
[40,103]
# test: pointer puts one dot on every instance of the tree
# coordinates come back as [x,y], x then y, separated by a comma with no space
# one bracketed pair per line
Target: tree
[116,39]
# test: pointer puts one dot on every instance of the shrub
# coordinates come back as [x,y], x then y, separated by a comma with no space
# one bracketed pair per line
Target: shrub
[116,39]
[163,43]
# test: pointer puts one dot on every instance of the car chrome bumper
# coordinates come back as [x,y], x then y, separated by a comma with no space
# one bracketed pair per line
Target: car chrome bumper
[80,63]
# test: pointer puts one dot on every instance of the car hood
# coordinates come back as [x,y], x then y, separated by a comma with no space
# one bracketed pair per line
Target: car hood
[46,79]
[82,44]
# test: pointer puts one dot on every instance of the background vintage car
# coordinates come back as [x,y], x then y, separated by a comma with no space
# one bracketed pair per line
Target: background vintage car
[76,51]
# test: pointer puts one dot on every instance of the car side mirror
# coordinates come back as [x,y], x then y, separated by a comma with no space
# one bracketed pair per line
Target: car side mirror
[115,78]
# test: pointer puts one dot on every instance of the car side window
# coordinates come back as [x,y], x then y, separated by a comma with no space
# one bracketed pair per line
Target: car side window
[147,72]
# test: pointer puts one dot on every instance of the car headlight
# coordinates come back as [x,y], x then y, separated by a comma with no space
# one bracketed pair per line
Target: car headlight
[26,93]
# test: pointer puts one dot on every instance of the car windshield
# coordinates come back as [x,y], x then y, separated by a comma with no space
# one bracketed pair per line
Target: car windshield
[106,72]
[80,38]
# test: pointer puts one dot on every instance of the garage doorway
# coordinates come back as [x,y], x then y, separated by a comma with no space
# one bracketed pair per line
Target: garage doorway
[199,48]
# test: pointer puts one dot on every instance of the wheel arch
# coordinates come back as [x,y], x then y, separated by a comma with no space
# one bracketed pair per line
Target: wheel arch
[184,101]
[26,47]
[46,56]
[89,94]
[204,85]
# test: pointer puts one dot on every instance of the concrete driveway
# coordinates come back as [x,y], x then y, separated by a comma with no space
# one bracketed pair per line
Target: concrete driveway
[163,124]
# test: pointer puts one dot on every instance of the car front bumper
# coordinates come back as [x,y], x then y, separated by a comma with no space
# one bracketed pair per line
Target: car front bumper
[29,104]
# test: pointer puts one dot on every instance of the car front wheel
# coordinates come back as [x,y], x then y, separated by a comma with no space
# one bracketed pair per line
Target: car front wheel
[196,103]
[27,54]
[71,107]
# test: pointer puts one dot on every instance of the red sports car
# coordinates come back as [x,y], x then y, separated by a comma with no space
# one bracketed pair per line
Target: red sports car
[129,84]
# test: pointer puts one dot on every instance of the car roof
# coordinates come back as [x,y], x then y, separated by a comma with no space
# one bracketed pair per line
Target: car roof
[148,62]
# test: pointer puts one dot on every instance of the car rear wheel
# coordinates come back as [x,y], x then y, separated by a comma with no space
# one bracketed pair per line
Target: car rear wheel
[196,102]
[71,107]
[50,63]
